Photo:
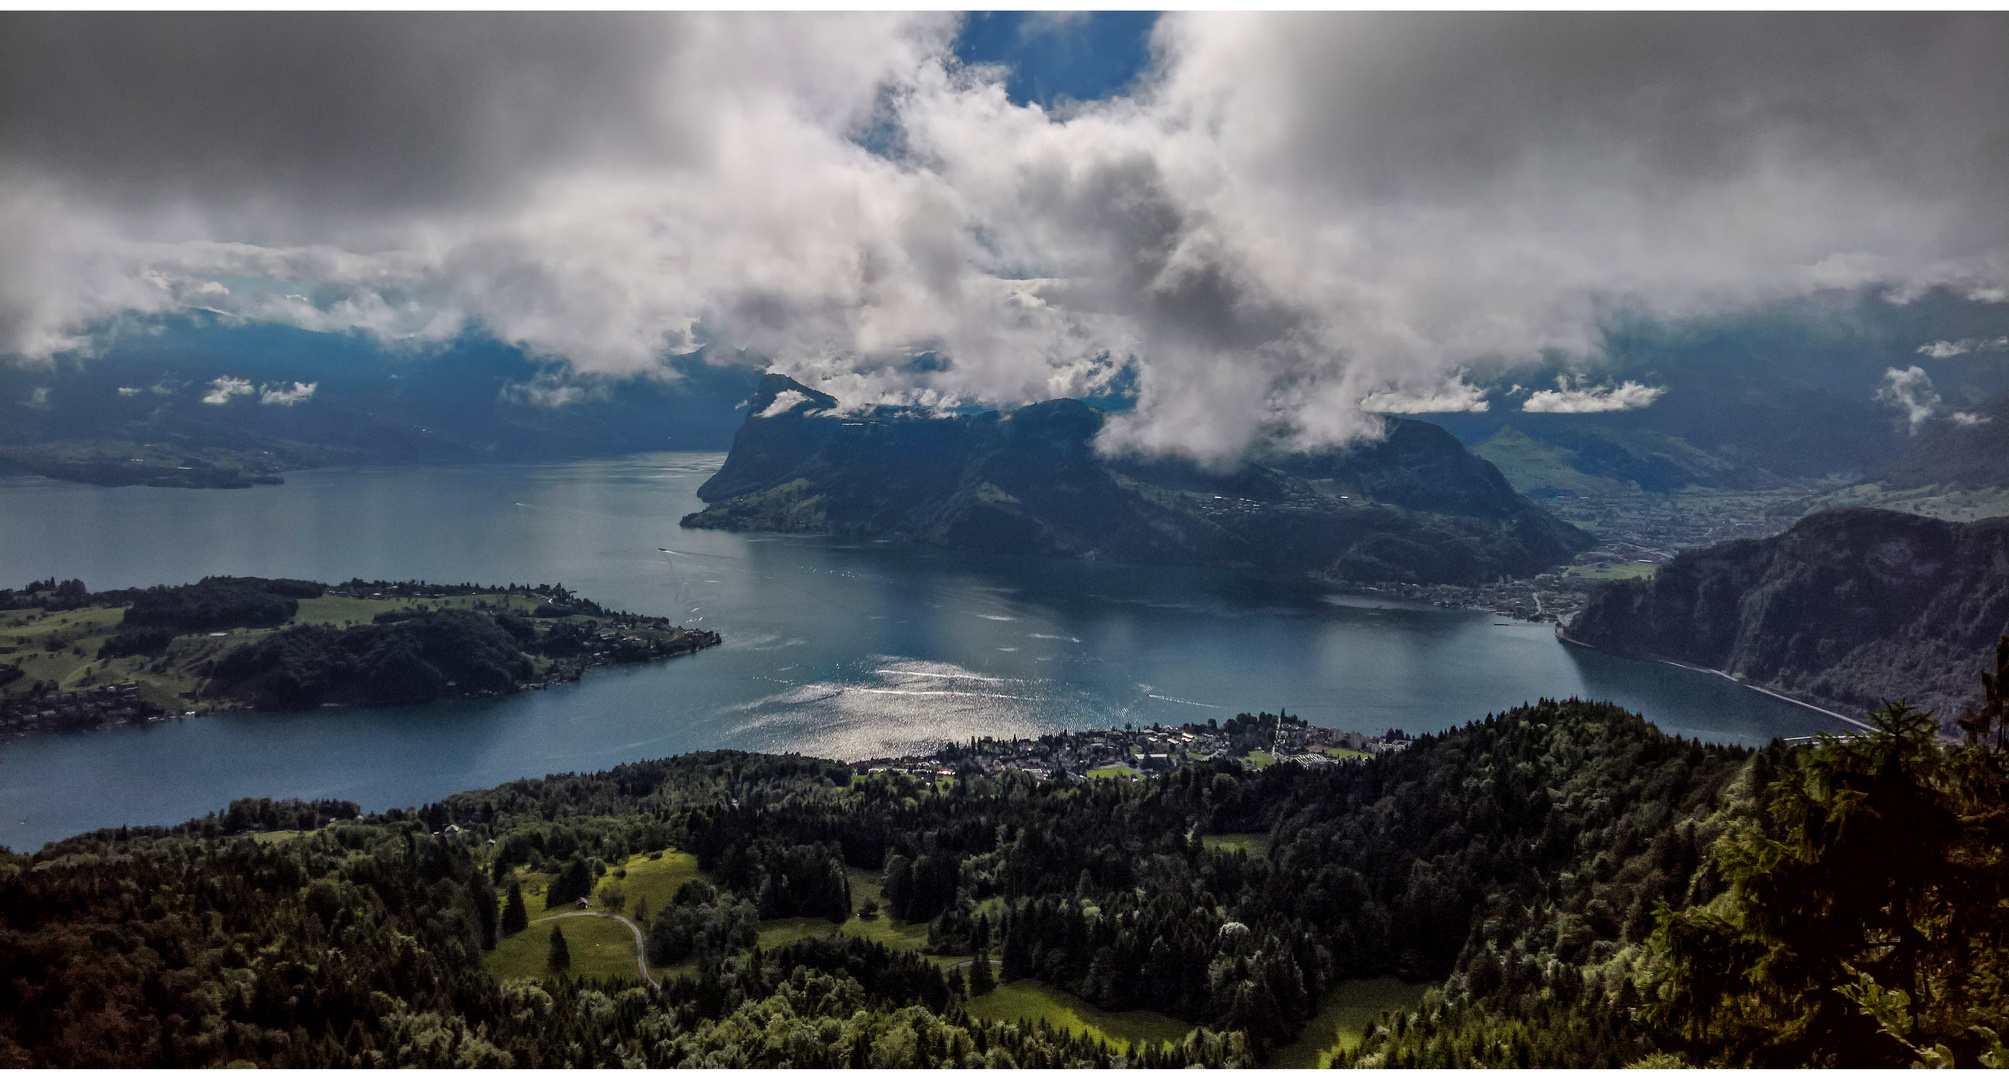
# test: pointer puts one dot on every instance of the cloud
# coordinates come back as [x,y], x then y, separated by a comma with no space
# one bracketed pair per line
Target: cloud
[223,389]
[1968,419]
[1910,391]
[276,394]
[1455,396]
[1567,398]
[1942,350]
[784,401]
[1291,216]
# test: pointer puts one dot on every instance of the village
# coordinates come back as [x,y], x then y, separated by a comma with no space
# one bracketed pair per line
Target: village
[1257,741]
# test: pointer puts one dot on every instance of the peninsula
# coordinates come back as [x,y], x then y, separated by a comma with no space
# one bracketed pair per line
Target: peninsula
[73,659]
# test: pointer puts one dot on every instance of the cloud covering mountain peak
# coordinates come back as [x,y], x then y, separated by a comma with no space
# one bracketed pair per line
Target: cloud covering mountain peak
[1287,216]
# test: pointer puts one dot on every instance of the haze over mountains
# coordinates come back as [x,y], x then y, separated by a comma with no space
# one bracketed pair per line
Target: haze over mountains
[198,404]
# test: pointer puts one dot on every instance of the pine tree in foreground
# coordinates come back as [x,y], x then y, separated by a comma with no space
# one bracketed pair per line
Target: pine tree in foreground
[515,918]
[560,959]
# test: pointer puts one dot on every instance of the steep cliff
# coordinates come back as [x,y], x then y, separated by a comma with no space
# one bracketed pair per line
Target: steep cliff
[1847,608]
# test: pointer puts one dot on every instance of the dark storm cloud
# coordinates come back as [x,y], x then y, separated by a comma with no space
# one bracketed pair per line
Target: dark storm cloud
[1404,102]
[1291,214]
[321,111]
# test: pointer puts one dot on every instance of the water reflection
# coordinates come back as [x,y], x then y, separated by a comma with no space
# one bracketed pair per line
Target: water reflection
[847,649]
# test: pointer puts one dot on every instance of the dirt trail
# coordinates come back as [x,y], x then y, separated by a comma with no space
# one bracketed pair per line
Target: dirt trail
[641,958]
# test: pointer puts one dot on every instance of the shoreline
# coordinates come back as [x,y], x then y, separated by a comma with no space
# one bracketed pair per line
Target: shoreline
[1563,637]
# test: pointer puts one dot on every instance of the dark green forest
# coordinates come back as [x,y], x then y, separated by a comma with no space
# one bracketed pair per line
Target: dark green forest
[1583,891]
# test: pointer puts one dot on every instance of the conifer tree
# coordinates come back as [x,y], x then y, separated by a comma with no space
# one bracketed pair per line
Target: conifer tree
[982,979]
[515,918]
[560,959]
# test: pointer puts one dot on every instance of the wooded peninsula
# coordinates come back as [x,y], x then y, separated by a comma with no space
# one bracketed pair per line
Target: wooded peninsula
[73,659]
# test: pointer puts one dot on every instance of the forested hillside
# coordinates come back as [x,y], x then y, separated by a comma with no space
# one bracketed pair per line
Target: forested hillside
[1846,608]
[1412,505]
[1582,889]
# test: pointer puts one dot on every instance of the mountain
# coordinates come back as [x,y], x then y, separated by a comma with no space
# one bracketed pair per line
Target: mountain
[1785,396]
[1414,506]
[1846,608]
[1972,455]
[227,406]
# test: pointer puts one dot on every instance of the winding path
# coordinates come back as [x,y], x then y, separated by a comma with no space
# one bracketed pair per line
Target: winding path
[641,958]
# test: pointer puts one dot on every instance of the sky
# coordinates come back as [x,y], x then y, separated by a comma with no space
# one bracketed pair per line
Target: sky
[1271,227]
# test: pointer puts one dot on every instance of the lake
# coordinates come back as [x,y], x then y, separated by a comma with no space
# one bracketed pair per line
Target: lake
[843,649]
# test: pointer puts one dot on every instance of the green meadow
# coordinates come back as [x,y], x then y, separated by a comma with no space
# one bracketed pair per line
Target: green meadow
[1029,1000]
[1345,1015]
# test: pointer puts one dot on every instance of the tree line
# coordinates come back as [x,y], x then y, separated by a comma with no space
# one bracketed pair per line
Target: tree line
[1581,889]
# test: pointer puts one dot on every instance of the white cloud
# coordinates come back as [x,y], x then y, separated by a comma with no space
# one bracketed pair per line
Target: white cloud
[221,390]
[129,391]
[1569,398]
[1968,419]
[1942,350]
[1295,219]
[1910,391]
[784,401]
[1454,396]
[277,394]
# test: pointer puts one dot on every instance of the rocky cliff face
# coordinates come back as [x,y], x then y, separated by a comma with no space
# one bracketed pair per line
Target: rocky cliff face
[1847,608]
[1416,506]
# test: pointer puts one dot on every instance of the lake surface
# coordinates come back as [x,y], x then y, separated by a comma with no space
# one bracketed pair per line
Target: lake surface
[841,649]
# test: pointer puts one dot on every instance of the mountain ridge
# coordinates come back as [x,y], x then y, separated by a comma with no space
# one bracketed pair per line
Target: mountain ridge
[1414,506]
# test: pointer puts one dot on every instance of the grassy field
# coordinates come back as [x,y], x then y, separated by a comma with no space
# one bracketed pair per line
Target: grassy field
[1111,772]
[1343,1017]
[62,647]
[1948,503]
[1026,999]
[774,933]
[653,880]
[608,948]
[1610,571]
[599,948]
[1252,843]
[882,928]
[1342,752]
[1260,759]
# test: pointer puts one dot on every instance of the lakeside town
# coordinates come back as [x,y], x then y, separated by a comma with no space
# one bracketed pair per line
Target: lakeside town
[1257,740]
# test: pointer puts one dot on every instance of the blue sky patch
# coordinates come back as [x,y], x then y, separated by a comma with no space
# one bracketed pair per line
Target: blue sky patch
[1060,56]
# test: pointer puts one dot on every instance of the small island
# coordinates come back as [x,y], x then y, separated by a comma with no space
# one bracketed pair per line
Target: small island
[71,659]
